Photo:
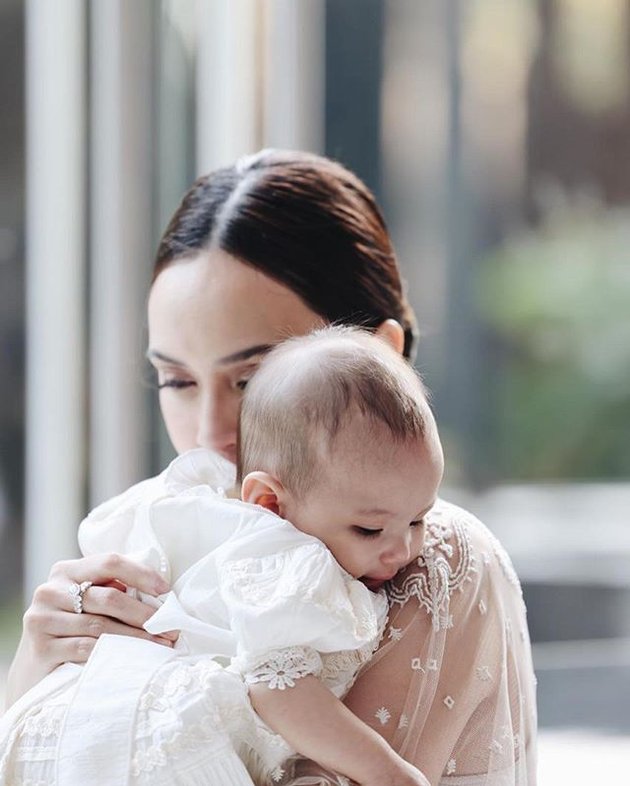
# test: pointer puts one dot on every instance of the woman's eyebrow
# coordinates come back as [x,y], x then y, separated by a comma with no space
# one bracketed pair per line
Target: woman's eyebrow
[153,354]
[235,357]
[244,354]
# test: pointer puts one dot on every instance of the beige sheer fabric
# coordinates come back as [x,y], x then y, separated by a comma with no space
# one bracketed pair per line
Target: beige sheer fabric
[451,686]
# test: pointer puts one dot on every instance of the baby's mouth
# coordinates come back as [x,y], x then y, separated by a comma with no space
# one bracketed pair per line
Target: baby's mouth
[374,583]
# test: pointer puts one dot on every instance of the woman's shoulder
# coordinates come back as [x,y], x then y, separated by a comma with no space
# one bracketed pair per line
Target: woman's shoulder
[460,556]
[454,531]
[454,538]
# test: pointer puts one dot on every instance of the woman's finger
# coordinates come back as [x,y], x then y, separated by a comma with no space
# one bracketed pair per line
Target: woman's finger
[100,602]
[46,629]
[105,568]
[77,649]
[94,625]
[110,602]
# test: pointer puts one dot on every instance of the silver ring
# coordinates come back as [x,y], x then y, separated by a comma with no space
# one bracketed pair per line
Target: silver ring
[76,592]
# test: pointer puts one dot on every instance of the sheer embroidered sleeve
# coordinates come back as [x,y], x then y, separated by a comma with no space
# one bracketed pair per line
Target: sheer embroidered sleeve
[451,686]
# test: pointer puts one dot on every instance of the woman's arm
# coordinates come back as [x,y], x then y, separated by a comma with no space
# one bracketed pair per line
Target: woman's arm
[314,722]
[54,634]
[451,687]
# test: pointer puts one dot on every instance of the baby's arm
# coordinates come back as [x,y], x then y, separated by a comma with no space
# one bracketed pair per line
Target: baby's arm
[317,725]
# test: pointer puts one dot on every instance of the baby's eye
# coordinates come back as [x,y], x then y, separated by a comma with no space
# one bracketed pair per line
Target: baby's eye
[241,384]
[367,533]
[416,523]
[174,382]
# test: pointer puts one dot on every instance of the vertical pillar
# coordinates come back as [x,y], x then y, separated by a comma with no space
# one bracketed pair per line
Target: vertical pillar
[354,73]
[228,76]
[55,175]
[121,247]
[294,75]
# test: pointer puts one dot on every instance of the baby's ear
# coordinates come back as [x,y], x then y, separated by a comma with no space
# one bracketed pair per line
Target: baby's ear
[261,488]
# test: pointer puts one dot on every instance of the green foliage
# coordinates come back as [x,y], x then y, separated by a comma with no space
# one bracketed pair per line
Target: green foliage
[558,301]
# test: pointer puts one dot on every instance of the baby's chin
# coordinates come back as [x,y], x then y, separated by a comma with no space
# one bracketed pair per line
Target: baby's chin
[372,584]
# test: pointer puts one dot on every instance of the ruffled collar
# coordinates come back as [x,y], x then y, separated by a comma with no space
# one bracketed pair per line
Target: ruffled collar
[199,467]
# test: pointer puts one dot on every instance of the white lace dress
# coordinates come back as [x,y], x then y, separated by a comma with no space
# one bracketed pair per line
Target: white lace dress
[266,603]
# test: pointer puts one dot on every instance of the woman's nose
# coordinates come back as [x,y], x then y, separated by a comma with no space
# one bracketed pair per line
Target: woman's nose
[217,419]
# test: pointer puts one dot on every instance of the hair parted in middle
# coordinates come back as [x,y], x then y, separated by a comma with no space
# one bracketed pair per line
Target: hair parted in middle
[309,387]
[305,221]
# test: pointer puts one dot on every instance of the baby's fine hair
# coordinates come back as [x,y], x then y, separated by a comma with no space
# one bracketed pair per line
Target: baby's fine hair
[309,387]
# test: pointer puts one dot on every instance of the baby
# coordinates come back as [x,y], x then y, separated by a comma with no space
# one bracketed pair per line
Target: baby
[276,618]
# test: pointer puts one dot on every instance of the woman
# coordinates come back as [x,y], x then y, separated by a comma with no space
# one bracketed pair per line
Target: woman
[270,247]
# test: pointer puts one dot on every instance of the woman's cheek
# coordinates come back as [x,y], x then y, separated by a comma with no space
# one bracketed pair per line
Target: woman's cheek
[180,421]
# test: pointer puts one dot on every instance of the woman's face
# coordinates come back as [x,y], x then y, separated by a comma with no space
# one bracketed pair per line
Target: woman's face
[211,320]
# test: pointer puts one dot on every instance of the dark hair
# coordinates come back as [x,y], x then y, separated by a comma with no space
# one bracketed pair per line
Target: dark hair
[305,221]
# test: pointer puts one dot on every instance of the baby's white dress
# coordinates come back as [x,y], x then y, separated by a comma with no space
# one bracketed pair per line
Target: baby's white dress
[256,600]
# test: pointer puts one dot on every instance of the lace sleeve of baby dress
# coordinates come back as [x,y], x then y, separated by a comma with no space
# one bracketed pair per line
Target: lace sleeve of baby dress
[451,686]
[294,611]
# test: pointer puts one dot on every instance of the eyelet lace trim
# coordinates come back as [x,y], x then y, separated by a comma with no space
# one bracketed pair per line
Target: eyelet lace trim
[184,678]
[46,723]
[282,667]
[232,716]
[156,756]
[39,730]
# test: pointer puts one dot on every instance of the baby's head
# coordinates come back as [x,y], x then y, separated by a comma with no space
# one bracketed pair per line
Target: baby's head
[336,436]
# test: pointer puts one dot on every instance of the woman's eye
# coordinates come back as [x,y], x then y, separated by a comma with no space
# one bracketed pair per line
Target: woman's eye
[241,378]
[177,384]
[367,533]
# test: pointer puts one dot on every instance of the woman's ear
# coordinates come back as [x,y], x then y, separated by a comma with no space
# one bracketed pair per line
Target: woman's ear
[392,332]
[261,488]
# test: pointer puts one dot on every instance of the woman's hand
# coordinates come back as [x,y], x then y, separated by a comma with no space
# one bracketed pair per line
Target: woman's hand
[54,633]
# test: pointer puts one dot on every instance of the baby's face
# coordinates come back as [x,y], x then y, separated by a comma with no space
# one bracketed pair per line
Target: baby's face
[369,502]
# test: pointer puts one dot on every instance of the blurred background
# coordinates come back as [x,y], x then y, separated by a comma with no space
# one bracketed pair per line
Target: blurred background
[496,136]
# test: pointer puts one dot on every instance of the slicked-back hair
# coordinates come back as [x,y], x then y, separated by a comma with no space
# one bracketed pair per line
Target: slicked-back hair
[305,221]
[309,387]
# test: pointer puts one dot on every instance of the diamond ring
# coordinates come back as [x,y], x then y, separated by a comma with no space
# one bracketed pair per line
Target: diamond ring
[76,592]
